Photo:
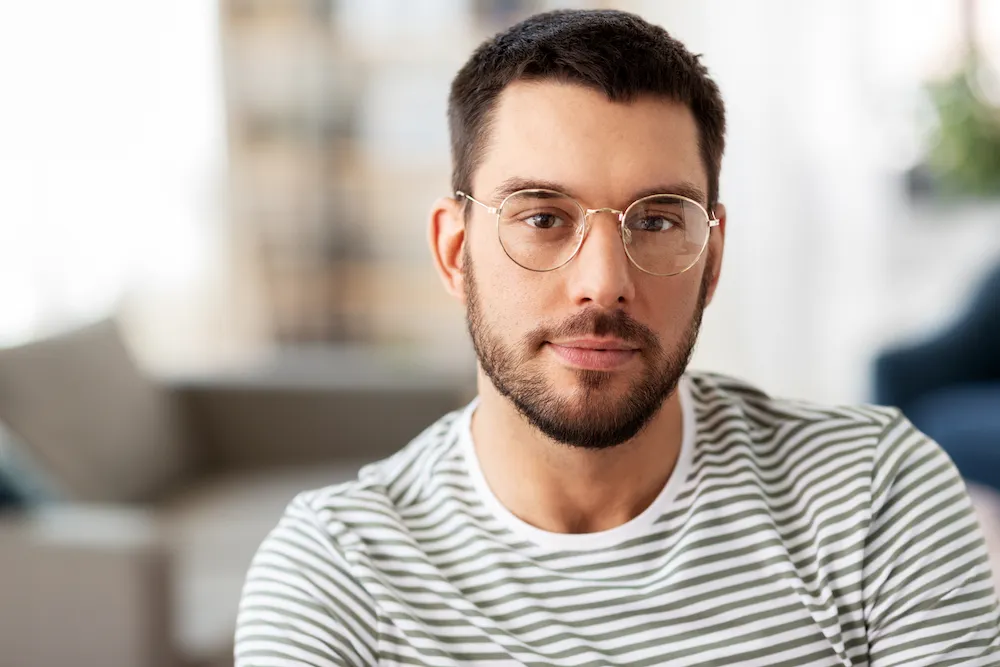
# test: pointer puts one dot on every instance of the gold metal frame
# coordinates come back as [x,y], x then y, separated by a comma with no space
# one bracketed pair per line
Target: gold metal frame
[586,213]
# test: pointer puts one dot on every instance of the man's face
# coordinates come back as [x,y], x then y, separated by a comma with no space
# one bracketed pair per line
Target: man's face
[588,352]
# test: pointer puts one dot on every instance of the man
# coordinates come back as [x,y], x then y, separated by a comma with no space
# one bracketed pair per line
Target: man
[596,505]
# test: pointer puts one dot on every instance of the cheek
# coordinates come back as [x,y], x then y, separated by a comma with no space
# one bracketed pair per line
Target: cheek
[513,301]
[672,304]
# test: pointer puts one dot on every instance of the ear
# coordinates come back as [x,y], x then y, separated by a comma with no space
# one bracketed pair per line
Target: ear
[446,235]
[716,244]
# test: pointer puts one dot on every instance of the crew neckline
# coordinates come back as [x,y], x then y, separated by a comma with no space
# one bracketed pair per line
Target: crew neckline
[634,528]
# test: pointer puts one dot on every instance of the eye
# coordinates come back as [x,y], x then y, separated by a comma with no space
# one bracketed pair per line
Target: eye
[653,223]
[543,220]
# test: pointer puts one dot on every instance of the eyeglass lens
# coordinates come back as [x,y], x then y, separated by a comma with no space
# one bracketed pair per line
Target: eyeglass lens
[542,230]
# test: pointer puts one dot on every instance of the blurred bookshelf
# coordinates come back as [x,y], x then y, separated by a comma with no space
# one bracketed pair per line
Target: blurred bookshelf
[337,145]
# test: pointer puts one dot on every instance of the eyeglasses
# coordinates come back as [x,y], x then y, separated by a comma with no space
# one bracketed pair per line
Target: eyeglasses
[542,230]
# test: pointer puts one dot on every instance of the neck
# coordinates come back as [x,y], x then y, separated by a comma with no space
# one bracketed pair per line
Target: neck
[564,489]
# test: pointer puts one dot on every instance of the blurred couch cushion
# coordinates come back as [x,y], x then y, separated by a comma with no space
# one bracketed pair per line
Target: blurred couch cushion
[99,428]
[212,531]
[965,420]
[22,484]
[10,495]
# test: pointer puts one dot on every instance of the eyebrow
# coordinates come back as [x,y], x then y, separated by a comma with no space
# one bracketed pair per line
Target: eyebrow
[512,185]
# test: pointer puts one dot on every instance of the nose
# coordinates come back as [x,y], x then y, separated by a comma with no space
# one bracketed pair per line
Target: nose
[601,274]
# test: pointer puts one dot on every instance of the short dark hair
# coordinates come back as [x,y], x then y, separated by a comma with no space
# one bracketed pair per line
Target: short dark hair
[612,51]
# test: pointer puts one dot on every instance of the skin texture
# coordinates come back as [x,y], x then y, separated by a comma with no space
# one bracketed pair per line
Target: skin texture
[567,448]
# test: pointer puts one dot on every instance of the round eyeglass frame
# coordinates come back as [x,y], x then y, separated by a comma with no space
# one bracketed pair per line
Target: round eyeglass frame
[586,213]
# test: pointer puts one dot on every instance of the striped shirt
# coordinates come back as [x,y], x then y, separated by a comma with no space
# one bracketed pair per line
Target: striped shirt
[789,534]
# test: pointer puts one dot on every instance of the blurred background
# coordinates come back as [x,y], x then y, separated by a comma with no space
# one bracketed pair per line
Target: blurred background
[243,186]
[235,176]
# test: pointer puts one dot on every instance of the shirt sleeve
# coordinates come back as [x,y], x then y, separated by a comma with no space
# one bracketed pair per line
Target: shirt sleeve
[301,606]
[928,593]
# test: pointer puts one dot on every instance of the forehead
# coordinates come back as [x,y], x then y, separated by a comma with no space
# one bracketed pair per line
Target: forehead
[601,152]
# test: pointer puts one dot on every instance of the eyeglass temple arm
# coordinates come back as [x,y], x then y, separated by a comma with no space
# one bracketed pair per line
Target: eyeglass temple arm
[459,193]
[712,220]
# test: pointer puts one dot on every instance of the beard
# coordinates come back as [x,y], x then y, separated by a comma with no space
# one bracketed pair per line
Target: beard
[594,418]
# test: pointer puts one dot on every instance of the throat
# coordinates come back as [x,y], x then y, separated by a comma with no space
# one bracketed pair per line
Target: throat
[595,512]
[562,489]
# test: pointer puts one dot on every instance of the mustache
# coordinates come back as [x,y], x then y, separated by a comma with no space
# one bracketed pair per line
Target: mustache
[594,322]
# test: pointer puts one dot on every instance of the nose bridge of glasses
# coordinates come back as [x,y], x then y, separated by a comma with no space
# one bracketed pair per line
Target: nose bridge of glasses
[619,214]
[619,218]
[587,212]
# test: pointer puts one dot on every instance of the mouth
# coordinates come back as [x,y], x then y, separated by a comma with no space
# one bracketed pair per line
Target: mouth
[594,354]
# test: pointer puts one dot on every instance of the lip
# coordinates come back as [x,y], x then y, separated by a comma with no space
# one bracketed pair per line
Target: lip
[596,344]
[599,354]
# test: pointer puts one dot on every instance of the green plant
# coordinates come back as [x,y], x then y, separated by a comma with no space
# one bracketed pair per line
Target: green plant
[965,154]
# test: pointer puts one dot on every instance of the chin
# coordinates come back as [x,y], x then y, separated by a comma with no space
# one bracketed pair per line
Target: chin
[590,390]
[582,382]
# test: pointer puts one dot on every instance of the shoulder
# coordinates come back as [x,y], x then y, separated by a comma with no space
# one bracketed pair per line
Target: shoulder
[714,393]
[384,487]
[794,441]
[729,410]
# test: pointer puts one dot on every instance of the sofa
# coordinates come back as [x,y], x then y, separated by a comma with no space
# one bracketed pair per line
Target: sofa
[154,494]
[948,385]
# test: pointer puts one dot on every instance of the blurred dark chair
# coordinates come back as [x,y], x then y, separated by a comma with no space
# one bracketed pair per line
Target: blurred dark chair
[949,386]
[163,491]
